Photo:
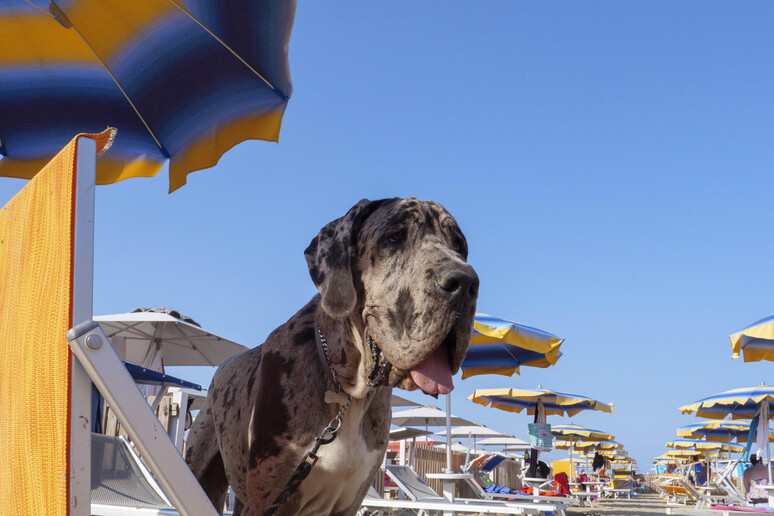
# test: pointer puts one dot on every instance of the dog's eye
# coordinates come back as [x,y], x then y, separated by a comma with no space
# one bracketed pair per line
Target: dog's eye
[397,237]
[459,246]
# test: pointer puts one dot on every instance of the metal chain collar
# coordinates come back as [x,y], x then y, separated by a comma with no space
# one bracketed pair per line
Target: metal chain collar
[327,436]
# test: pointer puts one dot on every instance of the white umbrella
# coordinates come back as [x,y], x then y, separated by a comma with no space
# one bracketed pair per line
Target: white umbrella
[471,432]
[397,401]
[508,443]
[142,336]
[430,416]
[403,434]
[425,416]
[399,434]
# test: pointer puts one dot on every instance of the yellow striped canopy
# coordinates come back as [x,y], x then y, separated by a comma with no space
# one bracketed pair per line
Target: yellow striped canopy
[588,445]
[721,431]
[687,454]
[500,346]
[554,402]
[740,403]
[756,341]
[702,446]
[577,433]
[181,81]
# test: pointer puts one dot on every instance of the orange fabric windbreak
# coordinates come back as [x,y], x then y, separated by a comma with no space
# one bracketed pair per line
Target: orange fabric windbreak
[36,235]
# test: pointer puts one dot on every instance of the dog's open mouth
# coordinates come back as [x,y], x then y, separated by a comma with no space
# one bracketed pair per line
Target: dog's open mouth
[380,370]
[433,375]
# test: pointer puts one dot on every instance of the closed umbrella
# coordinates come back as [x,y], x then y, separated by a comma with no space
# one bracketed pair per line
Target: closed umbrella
[181,81]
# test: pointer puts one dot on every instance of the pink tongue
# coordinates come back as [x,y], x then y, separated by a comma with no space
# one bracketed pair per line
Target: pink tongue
[433,375]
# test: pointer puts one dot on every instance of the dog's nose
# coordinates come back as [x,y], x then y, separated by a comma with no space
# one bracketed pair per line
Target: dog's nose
[458,282]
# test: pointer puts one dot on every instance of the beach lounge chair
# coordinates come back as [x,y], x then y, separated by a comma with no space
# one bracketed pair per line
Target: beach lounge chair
[120,482]
[374,504]
[675,493]
[722,481]
[481,466]
[416,489]
[718,510]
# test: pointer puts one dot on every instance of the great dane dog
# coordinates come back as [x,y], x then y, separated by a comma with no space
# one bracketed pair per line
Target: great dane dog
[395,309]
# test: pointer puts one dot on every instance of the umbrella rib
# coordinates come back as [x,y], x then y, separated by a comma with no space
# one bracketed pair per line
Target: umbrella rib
[208,31]
[36,6]
[133,330]
[118,84]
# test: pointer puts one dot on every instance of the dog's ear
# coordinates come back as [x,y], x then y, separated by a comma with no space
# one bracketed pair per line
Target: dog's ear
[330,258]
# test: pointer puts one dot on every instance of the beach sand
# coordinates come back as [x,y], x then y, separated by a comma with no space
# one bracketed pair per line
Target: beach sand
[641,504]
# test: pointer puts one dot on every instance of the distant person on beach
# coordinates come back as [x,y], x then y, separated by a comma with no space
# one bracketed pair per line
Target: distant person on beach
[756,475]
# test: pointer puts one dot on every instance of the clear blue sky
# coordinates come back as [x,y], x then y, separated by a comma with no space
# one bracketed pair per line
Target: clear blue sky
[610,164]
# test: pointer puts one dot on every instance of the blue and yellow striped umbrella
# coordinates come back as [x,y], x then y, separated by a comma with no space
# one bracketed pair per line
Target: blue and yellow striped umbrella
[499,346]
[181,80]
[738,403]
[577,433]
[721,431]
[756,342]
[554,402]
[587,446]
[703,446]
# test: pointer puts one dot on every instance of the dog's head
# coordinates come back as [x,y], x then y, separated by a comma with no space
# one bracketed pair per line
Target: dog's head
[398,266]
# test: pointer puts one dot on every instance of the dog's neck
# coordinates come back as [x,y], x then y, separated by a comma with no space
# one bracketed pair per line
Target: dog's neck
[345,352]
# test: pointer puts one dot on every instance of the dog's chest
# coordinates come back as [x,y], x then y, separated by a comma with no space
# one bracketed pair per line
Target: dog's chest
[343,467]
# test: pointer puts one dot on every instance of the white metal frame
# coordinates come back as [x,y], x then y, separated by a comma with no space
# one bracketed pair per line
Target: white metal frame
[92,347]
[95,360]
[82,293]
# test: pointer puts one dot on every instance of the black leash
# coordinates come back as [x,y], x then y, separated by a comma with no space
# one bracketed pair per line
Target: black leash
[327,436]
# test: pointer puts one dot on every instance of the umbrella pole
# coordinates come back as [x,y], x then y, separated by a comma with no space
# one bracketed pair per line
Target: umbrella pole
[571,463]
[467,454]
[448,434]
[533,460]
[765,423]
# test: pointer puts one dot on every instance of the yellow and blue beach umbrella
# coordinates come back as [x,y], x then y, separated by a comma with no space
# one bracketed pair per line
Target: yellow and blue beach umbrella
[554,402]
[607,453]
[756,342]
[587,446]
[181,80]
[740,403]
[699,446]
[691,453]
[499,346]
[722,431]
[576,433]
